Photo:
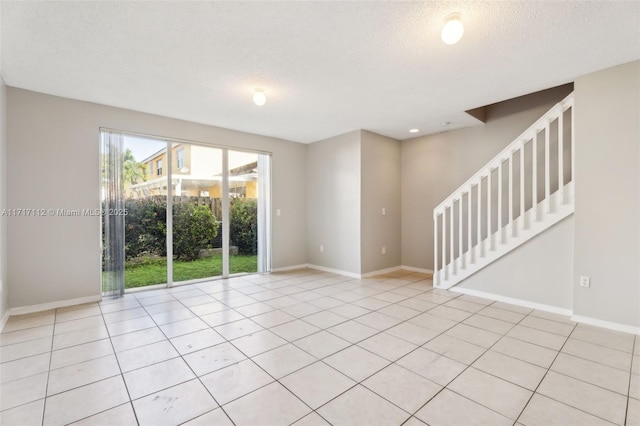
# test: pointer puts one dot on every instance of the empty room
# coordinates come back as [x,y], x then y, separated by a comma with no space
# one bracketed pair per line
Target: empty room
[320,213]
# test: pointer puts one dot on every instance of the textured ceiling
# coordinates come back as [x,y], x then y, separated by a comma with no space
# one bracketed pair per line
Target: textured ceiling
[327,67]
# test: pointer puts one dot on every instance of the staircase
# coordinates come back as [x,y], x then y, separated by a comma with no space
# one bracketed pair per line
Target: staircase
[522,191]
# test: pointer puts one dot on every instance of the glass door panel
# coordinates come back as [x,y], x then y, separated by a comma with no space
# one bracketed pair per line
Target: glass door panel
[196,182]
[145,224]
[243,212]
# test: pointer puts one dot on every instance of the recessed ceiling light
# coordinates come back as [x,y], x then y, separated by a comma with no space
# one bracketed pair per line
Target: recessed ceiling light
[259,98]
[445,123]
[453,29]
[414,130]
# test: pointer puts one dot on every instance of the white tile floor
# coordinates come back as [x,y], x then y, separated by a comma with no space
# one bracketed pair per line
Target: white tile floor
[311,348]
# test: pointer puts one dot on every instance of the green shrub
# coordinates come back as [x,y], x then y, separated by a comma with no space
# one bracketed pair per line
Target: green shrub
[193,229]
[145,227]
[243,226]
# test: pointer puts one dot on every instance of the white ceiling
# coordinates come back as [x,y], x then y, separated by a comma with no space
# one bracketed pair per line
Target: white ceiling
[328,67]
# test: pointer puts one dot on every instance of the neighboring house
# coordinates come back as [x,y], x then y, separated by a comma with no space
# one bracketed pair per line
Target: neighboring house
[196,171]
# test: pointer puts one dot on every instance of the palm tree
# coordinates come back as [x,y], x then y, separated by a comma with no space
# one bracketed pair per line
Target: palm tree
[134,172]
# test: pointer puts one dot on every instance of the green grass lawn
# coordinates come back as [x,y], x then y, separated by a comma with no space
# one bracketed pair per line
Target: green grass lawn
[154,270]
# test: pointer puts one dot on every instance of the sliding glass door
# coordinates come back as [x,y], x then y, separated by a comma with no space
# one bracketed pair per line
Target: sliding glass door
[188,212]
[197,212]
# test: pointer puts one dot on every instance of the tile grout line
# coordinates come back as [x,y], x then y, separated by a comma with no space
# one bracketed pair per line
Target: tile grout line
[598,362]
[317,360]
[535,391]
[275,380]
[466,368]
[633,351]
[46,389]
[356,383]
[96,381]
[559,373]
[391,363]
[50,352]
[247,359]
[488,349]
[352,344]
[380,290]
[181,356]
[418,347]
[119,368]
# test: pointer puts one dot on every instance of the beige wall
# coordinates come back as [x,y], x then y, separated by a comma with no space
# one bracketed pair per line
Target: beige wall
[333,207]
[4,293]
[530,273]
[434,166]
[607,209]
[350,178]
[53,146]
[380,169]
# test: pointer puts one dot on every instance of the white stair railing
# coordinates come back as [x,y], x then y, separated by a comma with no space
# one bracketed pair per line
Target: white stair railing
[522,191]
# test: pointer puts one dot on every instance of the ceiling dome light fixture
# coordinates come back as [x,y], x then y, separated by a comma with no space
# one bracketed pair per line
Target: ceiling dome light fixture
[453,29]
[259,98]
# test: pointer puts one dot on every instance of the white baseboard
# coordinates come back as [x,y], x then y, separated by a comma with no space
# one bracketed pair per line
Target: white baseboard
[290,268]
[351,274]
[606,324]
[513,301]
[380,272]
[548,308]
[412,269]
[53,305]
[335,271]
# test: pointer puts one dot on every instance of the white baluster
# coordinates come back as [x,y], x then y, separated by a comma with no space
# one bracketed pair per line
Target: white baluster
[436,275]
[561,155]
[499,230]
[461,264]
[445,271]
[452,263]
[489,218]
[511,227]
[547,170]
[480,243]
[523,223]
[469,240]
[534,182]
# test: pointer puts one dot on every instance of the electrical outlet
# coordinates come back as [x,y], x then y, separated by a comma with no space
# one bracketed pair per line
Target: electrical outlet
[277,212]
[384,250]
[321,248]
[585,282]
[384,211]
